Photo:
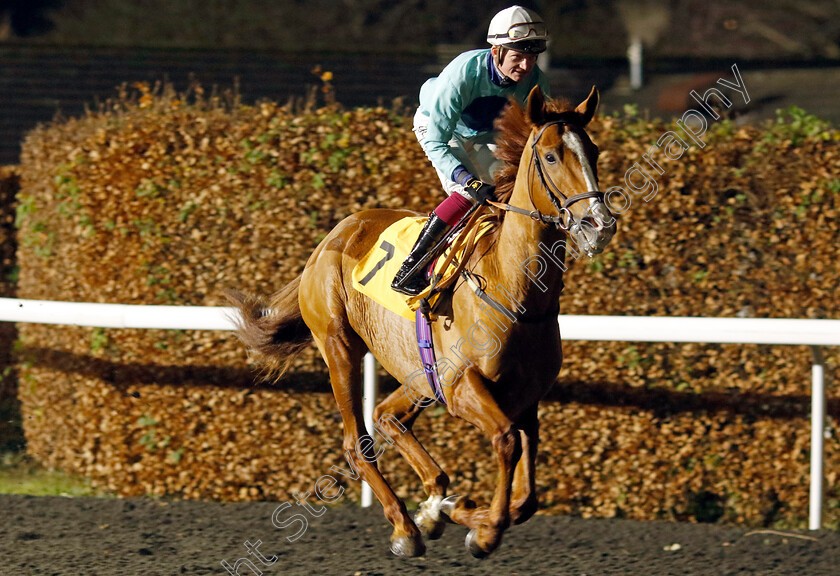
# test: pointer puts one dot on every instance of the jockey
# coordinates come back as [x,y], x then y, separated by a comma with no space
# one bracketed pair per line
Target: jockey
[454,123]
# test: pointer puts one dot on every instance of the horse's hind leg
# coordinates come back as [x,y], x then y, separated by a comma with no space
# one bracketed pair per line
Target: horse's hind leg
[395,417]
[343,350]
[473,402]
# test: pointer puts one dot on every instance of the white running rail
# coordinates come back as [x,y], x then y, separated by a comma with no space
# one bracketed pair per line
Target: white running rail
[813,333]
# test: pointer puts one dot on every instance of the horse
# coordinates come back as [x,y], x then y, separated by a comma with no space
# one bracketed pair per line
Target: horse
[505,359]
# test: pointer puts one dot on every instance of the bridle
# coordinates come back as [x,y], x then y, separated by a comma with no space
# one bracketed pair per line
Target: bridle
[564,219]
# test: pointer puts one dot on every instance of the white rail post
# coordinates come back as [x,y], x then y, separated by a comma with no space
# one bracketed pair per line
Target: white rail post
[634,56]
[817,437]
[371,388]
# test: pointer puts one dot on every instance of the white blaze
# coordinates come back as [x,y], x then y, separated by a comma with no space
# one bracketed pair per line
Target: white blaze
[575,144]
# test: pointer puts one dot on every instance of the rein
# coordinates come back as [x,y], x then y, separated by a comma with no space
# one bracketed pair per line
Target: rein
[564,219]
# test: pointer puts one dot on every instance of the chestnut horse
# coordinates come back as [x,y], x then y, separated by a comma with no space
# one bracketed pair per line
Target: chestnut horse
[501,363]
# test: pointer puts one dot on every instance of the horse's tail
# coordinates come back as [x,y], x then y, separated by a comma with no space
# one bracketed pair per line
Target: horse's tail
[275,332]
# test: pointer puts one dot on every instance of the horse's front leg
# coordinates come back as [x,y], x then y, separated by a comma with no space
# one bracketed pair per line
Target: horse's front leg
[472,401]
[524,498]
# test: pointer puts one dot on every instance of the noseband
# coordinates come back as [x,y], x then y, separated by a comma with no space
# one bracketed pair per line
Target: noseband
[564,219]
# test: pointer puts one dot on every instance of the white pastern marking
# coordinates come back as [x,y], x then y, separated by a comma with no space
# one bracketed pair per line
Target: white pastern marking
[431,507]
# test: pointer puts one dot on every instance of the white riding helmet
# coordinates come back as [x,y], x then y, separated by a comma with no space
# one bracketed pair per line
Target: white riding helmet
[519,29]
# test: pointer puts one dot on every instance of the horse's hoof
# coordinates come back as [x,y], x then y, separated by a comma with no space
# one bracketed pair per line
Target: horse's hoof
[408,547]
[428,518]
[429,528]
[447,507]
[471,542]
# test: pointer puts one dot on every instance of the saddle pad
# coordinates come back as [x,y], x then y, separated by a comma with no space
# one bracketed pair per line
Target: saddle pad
[373,274]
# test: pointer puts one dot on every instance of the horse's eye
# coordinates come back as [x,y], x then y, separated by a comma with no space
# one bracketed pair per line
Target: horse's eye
[550,158]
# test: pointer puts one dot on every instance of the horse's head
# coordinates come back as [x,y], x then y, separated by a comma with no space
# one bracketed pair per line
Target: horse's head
[563,172]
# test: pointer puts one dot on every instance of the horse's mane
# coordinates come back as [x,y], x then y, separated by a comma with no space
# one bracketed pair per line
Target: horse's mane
[514,128]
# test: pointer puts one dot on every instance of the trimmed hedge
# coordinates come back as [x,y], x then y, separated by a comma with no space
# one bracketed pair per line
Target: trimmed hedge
[11,434]
[161,198]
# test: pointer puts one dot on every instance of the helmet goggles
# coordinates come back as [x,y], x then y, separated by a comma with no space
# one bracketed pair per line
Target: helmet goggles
[524,30]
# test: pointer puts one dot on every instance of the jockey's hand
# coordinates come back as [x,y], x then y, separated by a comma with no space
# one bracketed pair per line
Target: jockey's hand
[480,191]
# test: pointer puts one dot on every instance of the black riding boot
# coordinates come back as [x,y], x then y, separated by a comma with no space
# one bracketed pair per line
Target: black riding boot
[432,232]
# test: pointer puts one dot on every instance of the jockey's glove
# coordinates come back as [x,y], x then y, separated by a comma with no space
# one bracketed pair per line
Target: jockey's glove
[480,191]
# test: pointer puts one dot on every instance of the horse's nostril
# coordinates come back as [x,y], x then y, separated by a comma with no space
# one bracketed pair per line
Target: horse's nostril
[594,222]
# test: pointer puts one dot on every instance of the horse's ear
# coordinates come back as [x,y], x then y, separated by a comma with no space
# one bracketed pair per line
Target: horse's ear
[536,106]
[586,109]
